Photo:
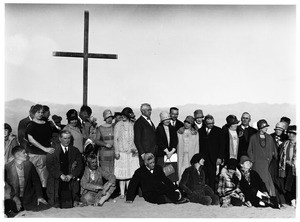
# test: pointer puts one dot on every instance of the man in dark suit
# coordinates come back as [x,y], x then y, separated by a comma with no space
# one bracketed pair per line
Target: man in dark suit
[174,112]
[156,187]
[64,166]
[24,182]
[212,148]
[245,131]
[144,133]
[22,127]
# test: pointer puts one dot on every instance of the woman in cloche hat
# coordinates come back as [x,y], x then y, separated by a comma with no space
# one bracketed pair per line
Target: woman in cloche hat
[126,154]
[262,149]
[188,144]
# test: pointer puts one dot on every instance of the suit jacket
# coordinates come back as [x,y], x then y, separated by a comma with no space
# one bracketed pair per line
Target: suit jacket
[178,124]
[32,183]
[21,129]
[53,167]
[150,183]
[244,139]
[162,141]
[144,136]
[211,145]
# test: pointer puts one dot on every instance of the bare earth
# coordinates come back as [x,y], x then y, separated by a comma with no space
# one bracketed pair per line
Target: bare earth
[142,209]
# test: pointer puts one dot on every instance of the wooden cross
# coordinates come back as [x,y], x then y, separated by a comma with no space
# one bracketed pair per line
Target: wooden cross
[85,55]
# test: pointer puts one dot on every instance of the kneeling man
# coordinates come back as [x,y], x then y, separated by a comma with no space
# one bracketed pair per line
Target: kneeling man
[93,192]
[156,187]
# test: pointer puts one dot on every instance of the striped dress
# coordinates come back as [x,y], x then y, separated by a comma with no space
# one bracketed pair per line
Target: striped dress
[105,133]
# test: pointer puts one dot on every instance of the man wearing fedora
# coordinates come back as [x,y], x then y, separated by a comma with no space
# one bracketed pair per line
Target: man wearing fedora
[261,151]
[245,131]
[211,143]
[231,138]
[198,116]
[278,134]
[287,165]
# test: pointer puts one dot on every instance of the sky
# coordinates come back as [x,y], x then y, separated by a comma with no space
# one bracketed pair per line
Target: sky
[168,55]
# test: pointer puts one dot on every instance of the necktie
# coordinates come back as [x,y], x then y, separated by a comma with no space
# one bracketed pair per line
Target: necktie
[208,131]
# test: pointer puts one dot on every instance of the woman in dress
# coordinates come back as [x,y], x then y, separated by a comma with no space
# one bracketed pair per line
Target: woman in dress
[105,141]
[193,183]
[126,154]
[188,144]
[38,133]
[262,149]
[72,127]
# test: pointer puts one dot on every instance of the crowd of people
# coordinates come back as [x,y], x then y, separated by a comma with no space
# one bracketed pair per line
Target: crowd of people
[49,164]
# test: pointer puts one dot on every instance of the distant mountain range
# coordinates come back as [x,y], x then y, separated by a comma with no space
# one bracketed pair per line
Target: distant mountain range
[17,109]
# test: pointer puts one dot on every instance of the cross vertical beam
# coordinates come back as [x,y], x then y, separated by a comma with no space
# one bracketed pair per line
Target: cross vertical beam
[85,55]
[85,58]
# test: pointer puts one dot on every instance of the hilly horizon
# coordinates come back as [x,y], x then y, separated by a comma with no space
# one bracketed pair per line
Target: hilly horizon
[17,109]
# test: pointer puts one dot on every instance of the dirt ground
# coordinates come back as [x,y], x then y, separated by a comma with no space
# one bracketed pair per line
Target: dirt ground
[142,209]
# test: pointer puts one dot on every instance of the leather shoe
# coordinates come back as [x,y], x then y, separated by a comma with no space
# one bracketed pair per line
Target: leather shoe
[182,201]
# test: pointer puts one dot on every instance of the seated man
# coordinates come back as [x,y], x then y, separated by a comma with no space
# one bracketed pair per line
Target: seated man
[228,187]
[155,186]
[93,192]
[64,166]
[22,183]
[253,187]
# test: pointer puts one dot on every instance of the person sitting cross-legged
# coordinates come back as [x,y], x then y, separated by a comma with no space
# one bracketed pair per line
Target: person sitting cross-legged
[228,187]
[93,191]
[155,186]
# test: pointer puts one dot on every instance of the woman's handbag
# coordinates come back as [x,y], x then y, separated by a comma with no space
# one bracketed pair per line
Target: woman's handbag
[168,169]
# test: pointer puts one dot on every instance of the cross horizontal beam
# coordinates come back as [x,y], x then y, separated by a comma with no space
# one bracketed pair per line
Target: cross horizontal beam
[89,55]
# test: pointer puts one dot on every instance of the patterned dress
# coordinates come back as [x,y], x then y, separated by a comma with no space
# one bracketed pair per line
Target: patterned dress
[126,165]
[105,133]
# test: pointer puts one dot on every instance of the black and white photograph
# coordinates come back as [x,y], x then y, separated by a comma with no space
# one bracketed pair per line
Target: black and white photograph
[151,109]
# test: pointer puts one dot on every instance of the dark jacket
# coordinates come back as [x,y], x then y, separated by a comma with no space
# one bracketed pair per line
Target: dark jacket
[32,183]
[250,190]
[144,136]
[150,183]
[21,130]
[192,181]
[53,167]
[244,138]
[178,124]
[161,139]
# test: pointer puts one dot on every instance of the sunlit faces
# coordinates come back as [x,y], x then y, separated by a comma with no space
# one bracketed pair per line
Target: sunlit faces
[233,127]
[109,120]
[278,132]
[246,118]
[22,155]
[151,163]
[6,133]
[39,114]
[201,162]
[92,164]
[146,111]
[210,123]
[174,114]
[65,139]
[187,125]
[84,115]
[199,120]
[263,130]
[166,122]
[292,136]
[246,165]
[73,122]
